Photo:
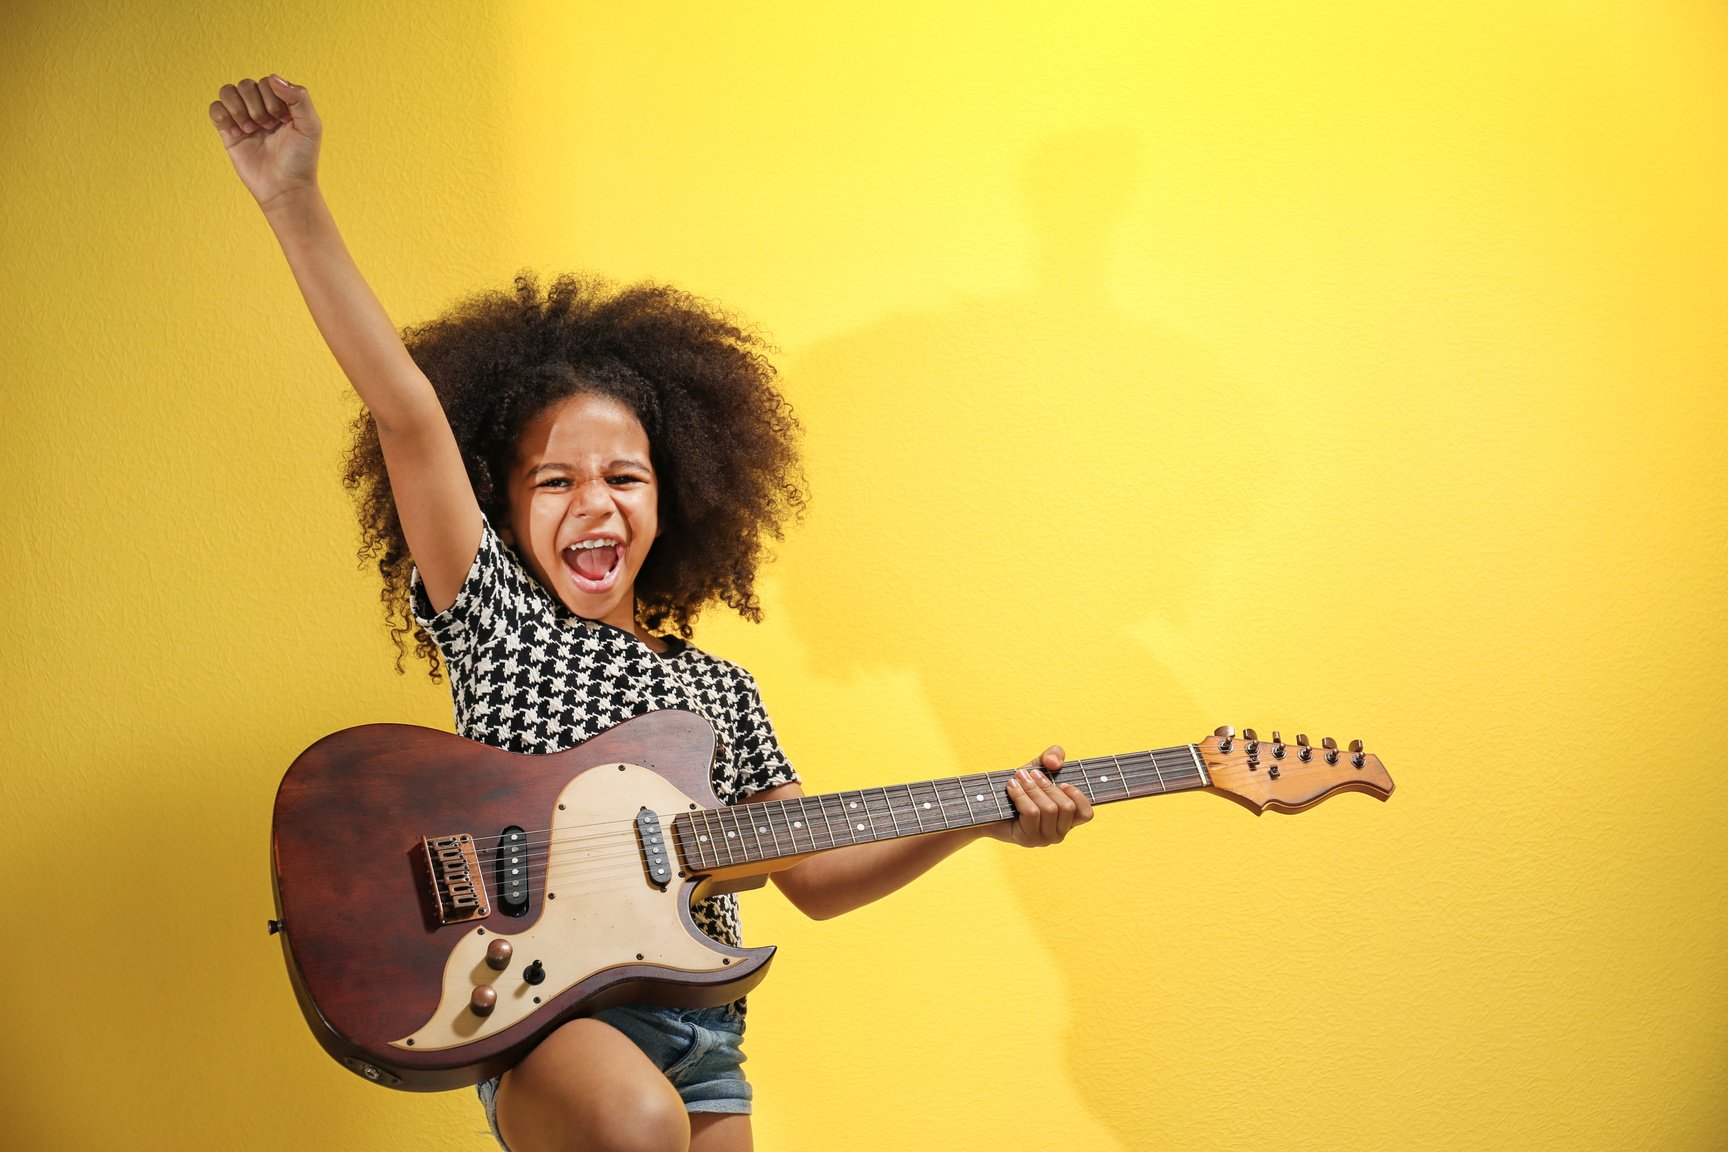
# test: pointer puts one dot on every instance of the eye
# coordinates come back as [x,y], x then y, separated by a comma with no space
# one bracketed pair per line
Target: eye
[620,481]
[554,482]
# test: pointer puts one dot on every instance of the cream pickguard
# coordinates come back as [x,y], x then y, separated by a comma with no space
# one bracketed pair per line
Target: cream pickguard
[614,916]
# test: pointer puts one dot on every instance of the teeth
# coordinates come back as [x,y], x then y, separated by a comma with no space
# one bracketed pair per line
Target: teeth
[592,544]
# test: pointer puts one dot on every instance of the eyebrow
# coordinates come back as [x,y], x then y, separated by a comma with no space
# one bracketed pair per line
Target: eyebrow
[611,466]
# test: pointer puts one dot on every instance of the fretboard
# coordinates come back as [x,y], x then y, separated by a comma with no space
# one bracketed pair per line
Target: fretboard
[717,838]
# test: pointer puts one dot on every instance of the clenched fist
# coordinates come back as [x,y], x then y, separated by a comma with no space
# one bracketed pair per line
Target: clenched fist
[271,132]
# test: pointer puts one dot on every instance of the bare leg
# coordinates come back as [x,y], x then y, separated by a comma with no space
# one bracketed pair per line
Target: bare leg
[720,1132]
[588,1088]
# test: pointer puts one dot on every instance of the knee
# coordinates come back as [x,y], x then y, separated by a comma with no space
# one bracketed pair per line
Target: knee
[639,1118]
[589,1089]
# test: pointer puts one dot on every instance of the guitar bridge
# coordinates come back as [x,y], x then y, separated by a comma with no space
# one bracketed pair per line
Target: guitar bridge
[458,886]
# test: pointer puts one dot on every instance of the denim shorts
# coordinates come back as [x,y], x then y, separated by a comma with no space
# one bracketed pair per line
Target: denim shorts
[699,1050]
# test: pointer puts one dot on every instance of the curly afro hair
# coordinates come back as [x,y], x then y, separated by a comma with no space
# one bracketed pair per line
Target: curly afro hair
[723,439]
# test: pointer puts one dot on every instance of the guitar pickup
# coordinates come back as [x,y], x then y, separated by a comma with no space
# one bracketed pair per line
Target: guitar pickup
[510,872]
[654,858]
[457,883]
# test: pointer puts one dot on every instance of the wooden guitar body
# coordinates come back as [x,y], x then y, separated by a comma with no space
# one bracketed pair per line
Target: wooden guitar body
[387,985]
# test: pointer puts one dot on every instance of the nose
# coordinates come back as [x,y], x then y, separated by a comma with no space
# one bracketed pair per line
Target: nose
[593,498]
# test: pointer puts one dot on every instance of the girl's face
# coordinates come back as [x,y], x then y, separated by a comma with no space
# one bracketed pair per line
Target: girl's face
[584,505]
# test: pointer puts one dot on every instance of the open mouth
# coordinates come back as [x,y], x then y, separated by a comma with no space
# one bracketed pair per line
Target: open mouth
[594,564]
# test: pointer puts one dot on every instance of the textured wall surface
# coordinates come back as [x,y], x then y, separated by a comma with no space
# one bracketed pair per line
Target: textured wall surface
[1336,368]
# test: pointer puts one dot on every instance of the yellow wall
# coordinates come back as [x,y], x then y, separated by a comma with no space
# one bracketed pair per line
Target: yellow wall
[1354,368]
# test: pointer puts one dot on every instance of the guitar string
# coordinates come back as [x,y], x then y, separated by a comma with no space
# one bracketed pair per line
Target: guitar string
[613,850]
[538,845]
[624,853]
[970,781]
[623,858]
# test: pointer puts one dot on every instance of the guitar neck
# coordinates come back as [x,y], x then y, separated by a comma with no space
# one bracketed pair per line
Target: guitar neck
[750,838]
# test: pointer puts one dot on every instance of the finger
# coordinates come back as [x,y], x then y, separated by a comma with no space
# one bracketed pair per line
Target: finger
[225,125]
[255,103]
[1082,805]
[1053,758]
[299,102]
[1049,826]
[274,106]
[236,106]
[1060,816]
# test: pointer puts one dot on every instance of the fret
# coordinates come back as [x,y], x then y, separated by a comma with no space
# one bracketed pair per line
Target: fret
[1161,785]
[797,823]
[917,808]
[816,819]
[850,810]
[684,833]
[1198,765]
[758,823]
[726,837]
[828,819]
[704,836]
[988,791]
[942,812]
[862,813]
[889,801]
[971,817]
[1113,775]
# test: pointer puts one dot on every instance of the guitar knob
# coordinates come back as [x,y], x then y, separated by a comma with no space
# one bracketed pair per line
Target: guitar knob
[534,973]
[1277,745]
[1331,747]
[1357,760]
[498,955]
[485,998]
[1307,753]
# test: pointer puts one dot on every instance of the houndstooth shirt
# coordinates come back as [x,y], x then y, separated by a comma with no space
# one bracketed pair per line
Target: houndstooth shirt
[529,675]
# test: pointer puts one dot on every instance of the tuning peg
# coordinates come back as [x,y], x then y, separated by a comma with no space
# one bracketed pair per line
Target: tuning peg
[1226,734]
[1307,753]
[1359,759]
[1248,734]
[1277,745]
[1331,747]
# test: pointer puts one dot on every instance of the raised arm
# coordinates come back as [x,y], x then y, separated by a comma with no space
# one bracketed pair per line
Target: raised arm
[272,134]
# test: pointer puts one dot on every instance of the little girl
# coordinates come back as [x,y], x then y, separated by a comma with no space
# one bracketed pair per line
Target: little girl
[556,481]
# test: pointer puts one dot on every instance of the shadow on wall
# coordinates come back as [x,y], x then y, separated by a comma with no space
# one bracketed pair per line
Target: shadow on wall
[1019,496]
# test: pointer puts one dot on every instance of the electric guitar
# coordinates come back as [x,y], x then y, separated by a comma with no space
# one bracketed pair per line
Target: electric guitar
[444,905]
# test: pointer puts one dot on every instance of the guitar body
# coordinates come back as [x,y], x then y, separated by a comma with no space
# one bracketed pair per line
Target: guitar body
[386,974]
[444,905]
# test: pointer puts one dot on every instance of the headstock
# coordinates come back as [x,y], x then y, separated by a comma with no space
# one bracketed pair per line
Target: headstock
[1261,774]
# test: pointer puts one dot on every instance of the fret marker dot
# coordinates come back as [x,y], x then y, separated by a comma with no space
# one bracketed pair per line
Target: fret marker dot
[704,839]
[926,803]
[1104,777]
[759,831]
[797,823]
[854,803]
[729,835]
[980,795]
[860,827]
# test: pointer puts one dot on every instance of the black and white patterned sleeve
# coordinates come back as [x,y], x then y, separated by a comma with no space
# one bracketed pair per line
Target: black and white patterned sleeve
[470,617]
[760,763]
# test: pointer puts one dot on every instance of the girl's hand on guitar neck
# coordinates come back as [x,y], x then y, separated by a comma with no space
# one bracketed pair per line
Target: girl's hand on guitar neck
[1048,810]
